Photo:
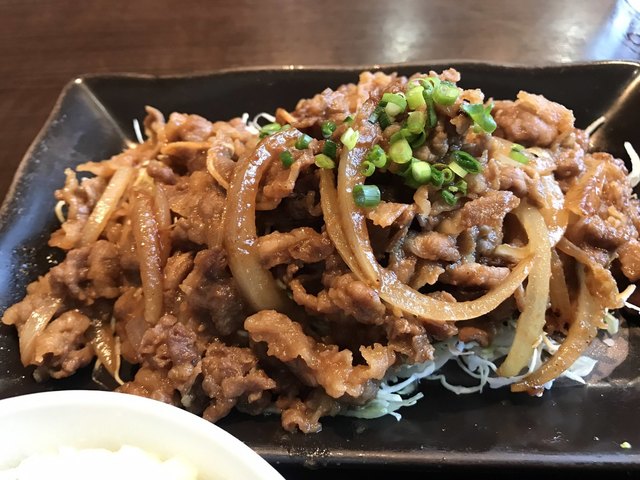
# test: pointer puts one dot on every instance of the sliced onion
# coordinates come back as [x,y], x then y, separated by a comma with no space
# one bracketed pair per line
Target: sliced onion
[554,213]
[582,331]
[105,347]
[106,205]
[532,319]
[255,282]
[558,290]
[162,212]
[407,299]
[352,218]
[329,204]
[34,326]
[148,250]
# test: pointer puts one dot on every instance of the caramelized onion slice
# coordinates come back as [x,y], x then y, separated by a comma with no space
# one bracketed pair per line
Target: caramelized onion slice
[352,218]
[34,326]
[148,248]
[255,282]
[532,319]
[106,205]
[105,346]
[582,331]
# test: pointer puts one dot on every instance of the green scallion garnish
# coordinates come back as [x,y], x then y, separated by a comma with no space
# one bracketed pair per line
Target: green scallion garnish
[467,161]
[457,169]
[421,171]
[384,120]
[286,158]
[349,138]
[366,195]
[400,151]
[429,84]
[517,155]
[437,178]
[322,161]
[348,120]
[481,116]
[446,93]
[269,129]
[415,99]
[367,168]
[330,149]
[377,156]
[395,103]
[303,141]
[416,122]
[447,175]
[328,128]
[373,118]
[449,197]
[419,140]
[461,185]
[432,118]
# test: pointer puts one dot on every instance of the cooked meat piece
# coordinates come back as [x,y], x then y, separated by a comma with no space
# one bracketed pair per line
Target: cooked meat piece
[161,172]
[426,273]
[355,298]
[532,120]
[487,210]
[305,415]
[187,128]
[629,254]
[230,373]
[303,244]
[320,364]
[433,246]
[474,275]
[386,213]
[279,181]
[409,338]
[88,273]
[80,198]
[151,383]
[210,290]
[63,347]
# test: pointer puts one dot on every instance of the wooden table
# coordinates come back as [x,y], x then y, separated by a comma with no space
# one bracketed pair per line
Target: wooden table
[46,43]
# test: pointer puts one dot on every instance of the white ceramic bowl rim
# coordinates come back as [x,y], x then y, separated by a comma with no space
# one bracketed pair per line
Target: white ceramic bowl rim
[91,419]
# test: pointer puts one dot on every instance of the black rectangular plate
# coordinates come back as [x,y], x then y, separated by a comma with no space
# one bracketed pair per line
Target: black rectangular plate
[578,427]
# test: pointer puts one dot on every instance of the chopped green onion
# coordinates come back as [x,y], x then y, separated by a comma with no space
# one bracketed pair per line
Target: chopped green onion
[466,161]
[411,182]
[286,127]
[373,118]
[402,133]
[461,185]
[416,122]
[400,151]
[384,120]
[517,155]
[437,178]
[323,161]
[449,197]
[446,93]
[348,119]
[330,149]
[349,138]
[395,103]
[447,175]
[481,116]
[377,156]
[419,140]
[366,195]
[303,141]
[414,97]
[367,168]
[421,171]
[457,169]
[269,129]
[432,118]
[328,128]
[286,158]
[429,84]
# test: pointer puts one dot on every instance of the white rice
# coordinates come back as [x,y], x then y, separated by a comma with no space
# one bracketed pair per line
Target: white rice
[128,463]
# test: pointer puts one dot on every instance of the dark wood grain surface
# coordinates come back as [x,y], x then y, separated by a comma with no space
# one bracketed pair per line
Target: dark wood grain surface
[46,43]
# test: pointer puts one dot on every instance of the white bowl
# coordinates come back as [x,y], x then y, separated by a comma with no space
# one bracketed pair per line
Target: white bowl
[42,422]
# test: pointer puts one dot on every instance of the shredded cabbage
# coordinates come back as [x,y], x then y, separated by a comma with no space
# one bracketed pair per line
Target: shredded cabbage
[398,388]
